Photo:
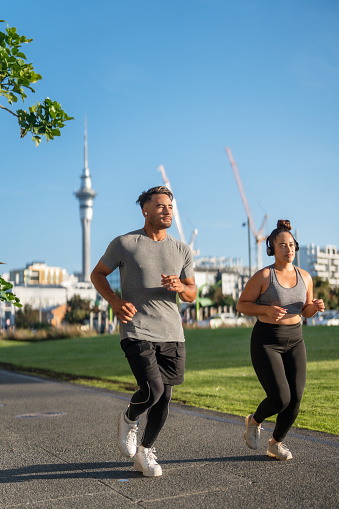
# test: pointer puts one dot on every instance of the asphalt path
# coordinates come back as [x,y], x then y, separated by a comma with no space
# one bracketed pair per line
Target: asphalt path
[58,450]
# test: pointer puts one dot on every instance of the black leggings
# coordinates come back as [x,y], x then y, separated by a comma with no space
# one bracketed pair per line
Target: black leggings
[154,396]
[279,360]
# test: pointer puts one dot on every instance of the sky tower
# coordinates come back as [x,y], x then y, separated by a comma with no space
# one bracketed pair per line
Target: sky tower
[86,196]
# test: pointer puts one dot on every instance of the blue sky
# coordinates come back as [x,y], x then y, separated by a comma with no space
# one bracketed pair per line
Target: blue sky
[174,83]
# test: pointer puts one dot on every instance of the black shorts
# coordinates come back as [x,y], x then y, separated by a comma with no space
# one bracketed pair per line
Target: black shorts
[150,360]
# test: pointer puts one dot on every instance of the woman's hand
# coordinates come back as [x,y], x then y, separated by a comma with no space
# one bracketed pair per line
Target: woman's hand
[276,312]
[319,304]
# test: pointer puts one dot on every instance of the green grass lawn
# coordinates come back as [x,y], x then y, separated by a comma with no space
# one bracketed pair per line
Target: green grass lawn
[219,373]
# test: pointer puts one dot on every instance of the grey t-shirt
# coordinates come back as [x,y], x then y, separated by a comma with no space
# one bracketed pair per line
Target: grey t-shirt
[141,262]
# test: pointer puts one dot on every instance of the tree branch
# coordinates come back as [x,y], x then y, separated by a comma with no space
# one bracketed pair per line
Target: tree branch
[9,111]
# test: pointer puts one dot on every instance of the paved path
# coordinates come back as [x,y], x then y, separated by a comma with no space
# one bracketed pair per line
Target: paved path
[57,450]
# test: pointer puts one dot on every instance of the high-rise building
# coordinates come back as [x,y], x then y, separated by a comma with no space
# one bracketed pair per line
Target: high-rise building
[86,195]
[321,262]
[38,273]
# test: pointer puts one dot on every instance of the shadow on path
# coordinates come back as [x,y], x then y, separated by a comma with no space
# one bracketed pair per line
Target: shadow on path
[101,470]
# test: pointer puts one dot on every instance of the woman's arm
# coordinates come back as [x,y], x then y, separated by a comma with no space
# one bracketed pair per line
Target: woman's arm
[311,306]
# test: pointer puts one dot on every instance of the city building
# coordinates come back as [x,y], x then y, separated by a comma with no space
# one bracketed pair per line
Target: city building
[321,262]
[38,273]
[45,298]
[230,271]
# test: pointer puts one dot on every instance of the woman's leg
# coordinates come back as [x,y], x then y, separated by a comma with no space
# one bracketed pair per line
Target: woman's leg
[295,369]
[270,370]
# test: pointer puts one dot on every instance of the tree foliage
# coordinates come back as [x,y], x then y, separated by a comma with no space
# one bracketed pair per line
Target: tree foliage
[6,295]
[16,78]
[218,298]
[322,290]
[27,317]
[78,310]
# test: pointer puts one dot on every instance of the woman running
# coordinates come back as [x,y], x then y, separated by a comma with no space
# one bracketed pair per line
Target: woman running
[279,295]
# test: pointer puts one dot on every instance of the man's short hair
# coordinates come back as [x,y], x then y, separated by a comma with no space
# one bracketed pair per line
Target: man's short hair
[147,195]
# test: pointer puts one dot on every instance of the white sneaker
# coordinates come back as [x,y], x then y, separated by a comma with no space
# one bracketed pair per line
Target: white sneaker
[279,451]
[144,461]
[252,433]
[127,436]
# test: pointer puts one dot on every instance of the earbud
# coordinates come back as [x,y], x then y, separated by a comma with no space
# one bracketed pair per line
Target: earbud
[146,214]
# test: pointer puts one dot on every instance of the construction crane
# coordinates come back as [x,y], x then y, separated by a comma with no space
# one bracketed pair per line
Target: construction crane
[191,243]
[258,235]
[176,214]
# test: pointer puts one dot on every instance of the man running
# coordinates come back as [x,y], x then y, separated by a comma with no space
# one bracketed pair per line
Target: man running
[154,268]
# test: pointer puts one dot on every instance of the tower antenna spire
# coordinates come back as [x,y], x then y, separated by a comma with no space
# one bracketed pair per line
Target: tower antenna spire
[86,195]
[86,156]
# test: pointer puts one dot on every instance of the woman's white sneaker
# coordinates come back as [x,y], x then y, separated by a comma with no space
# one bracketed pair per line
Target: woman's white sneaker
[252,433]
[144,461]
[279,451]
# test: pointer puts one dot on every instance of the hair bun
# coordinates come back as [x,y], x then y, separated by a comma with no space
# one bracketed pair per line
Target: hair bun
[284,224]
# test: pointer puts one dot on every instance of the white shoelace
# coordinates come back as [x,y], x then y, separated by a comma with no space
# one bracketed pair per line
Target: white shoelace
[283,447]
[255,429]
[131,435]
[150,456]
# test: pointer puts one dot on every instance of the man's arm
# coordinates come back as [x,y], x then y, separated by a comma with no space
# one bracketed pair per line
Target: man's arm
[186,288]
[189,292]
[122,308]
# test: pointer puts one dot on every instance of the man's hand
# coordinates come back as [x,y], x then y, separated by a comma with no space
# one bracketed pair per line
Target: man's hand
[123,309]
[172,283]
[186,288]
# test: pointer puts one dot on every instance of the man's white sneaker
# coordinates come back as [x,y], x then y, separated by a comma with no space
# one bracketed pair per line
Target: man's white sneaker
[127,436]
[252,433]
[279,451]
[144,461]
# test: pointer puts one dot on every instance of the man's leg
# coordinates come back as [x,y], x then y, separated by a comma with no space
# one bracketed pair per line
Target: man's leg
[149,393]
[143,363]
[156,417]
[145,459]
[171,362]
[157,367]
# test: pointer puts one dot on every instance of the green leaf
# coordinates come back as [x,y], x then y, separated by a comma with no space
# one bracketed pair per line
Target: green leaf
[16,75]
[7,296]
[6,286]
